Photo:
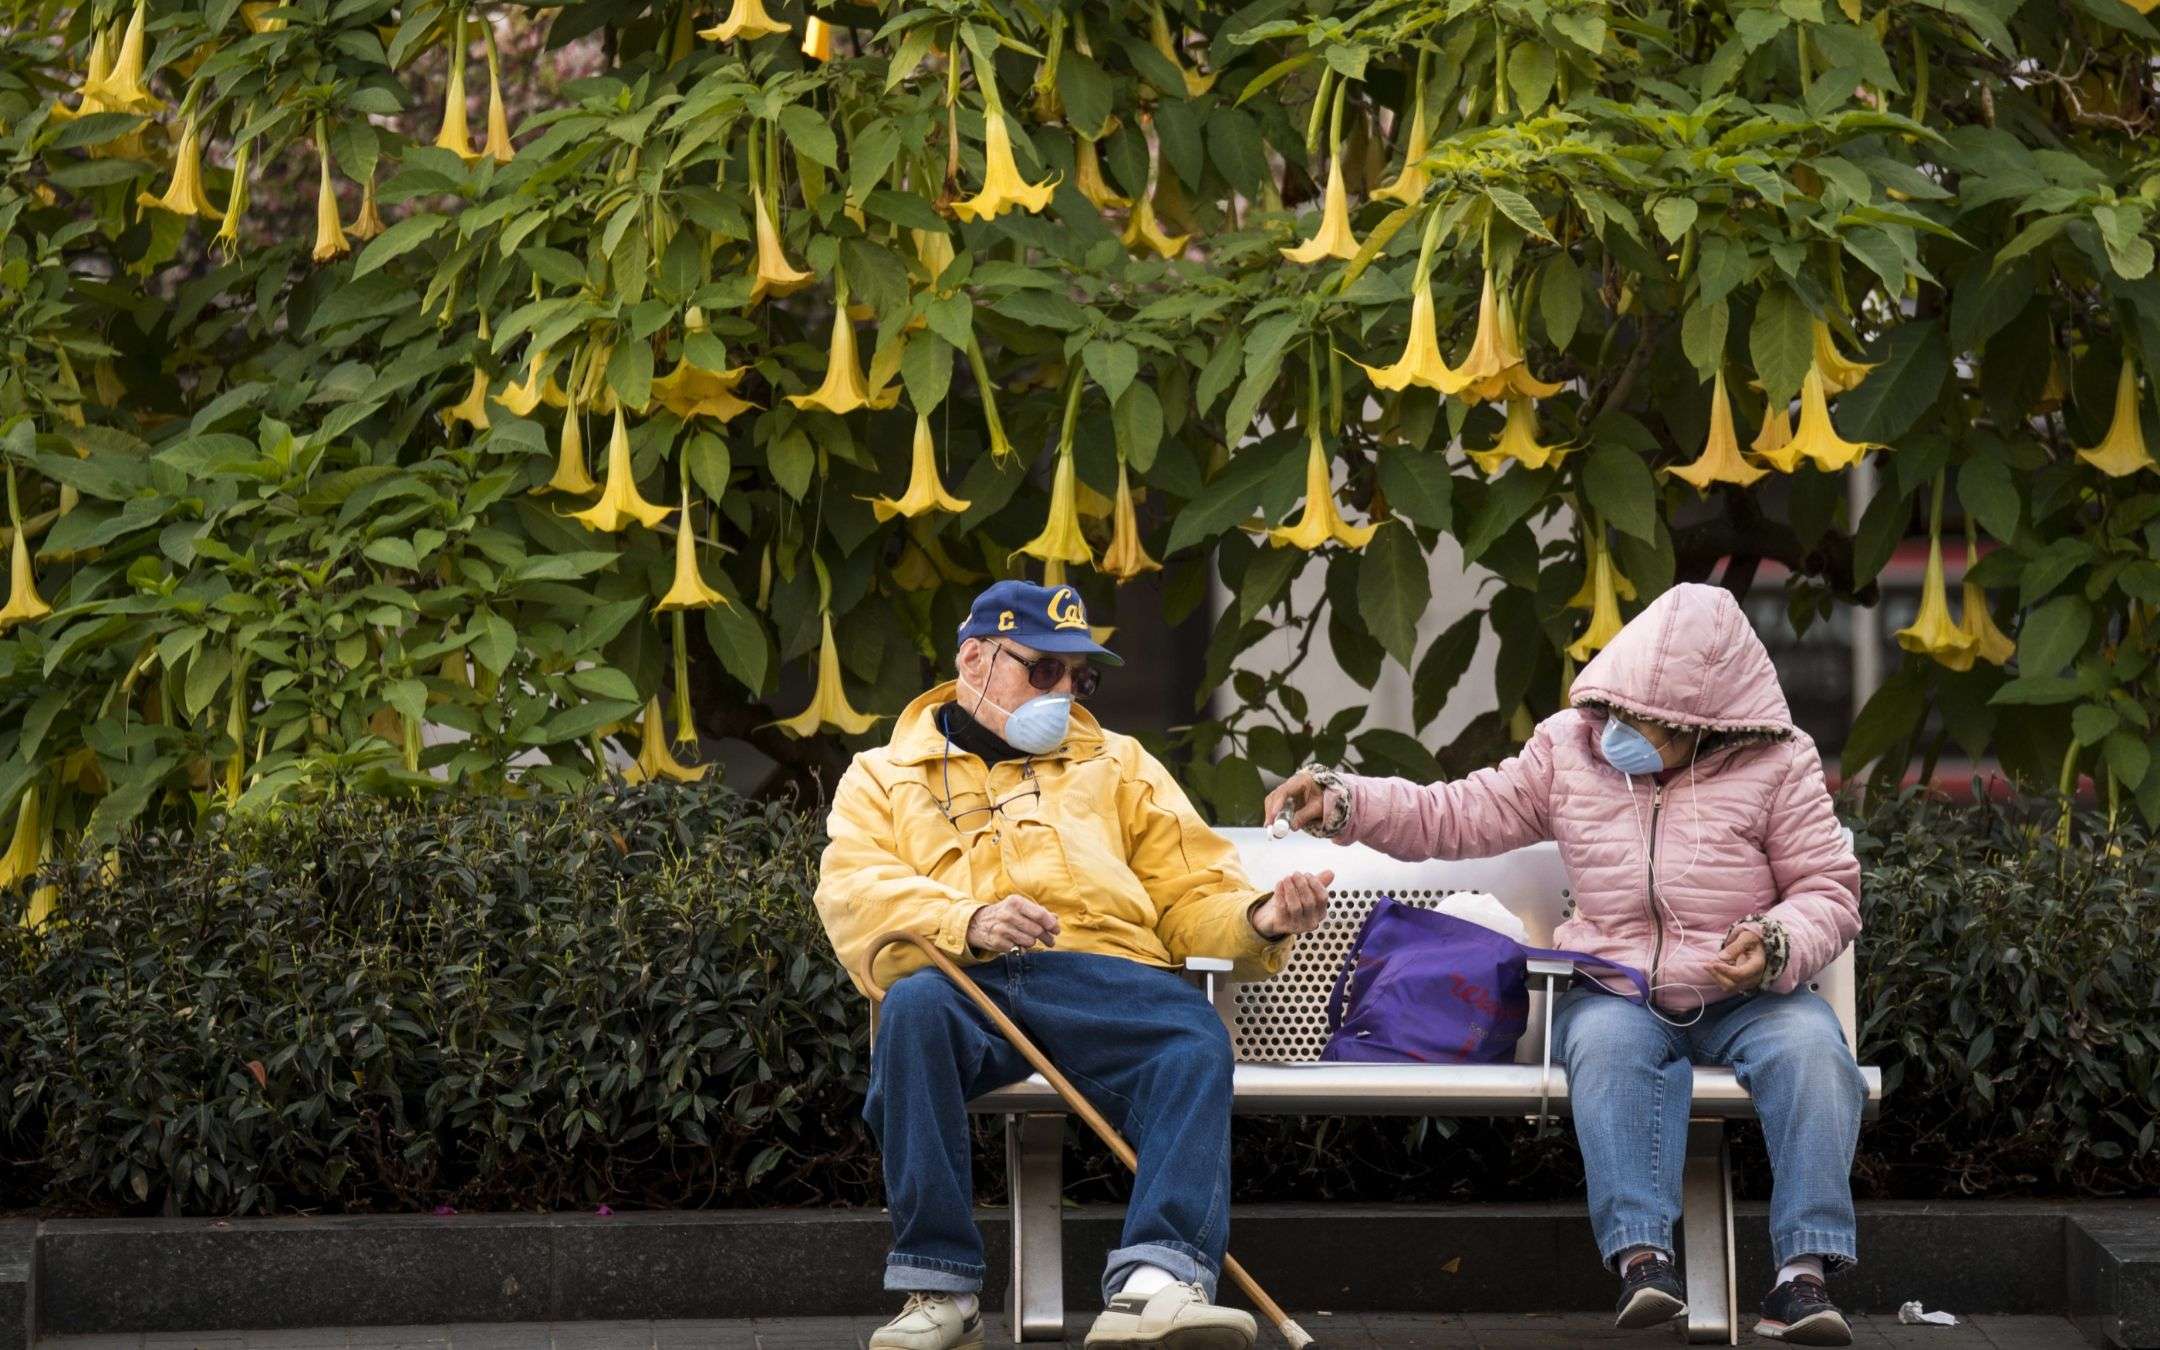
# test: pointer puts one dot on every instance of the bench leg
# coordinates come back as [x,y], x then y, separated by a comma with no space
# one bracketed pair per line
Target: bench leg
[1707,1236]
[1035,1175]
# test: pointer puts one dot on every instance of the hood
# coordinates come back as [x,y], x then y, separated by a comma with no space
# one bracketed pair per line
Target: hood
[917,737]
[1690,659]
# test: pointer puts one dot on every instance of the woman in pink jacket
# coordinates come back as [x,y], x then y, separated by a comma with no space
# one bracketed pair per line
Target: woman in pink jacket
[1695,825]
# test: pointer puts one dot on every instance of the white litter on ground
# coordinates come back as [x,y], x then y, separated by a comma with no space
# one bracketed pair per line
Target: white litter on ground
[1913,1315]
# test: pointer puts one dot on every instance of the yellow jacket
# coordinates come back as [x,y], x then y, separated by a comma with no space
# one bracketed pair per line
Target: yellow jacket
[1107,841]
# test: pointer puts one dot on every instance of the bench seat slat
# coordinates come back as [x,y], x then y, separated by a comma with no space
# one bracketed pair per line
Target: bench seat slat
[1406,1090]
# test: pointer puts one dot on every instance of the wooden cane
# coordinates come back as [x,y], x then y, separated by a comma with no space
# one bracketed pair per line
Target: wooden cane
[1291,1332]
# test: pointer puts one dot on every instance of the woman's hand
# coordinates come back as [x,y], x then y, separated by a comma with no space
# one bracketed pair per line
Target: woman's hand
[1740,966]
[1302,796]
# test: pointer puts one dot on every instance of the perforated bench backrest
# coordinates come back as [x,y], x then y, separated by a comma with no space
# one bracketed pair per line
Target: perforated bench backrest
[1284,1020]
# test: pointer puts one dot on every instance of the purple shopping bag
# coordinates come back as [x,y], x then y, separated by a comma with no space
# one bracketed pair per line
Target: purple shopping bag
[1419,986]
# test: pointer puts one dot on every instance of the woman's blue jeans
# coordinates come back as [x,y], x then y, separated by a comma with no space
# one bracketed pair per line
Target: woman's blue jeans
[1630,1080]
[1142,1044]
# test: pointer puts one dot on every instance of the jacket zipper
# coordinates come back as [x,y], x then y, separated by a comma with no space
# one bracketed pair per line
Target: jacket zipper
[1657,946]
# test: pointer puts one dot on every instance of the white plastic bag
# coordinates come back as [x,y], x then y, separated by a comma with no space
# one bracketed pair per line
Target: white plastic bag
[1913,1315]
[1486,911]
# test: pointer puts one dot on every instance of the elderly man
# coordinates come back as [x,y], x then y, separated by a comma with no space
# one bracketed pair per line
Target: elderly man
[1066,866]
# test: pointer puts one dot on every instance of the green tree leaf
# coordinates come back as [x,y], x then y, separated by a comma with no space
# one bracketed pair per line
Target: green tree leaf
[1912,363]
[1394,586]
[1617,484]
[1781,342]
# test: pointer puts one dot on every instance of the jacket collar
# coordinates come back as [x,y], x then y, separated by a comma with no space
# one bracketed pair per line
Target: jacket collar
[917,738]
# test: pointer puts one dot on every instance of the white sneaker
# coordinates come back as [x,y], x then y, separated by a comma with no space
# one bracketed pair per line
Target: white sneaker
[1178,1317]
[930,1322]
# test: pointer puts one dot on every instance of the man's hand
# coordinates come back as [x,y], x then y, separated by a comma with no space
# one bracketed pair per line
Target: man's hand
[1302,796]
[1740,966]
[1297,906]
[1015,923]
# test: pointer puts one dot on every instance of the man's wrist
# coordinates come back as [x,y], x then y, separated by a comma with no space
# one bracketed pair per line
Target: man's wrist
[1252,917]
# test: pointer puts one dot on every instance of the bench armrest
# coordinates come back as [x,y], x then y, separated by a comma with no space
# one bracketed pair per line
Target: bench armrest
[1209,972]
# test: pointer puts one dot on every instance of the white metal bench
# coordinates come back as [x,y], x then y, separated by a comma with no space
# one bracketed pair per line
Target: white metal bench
[1278,1026]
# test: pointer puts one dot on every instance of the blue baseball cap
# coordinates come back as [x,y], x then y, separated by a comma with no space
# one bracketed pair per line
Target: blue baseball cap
[1047,618]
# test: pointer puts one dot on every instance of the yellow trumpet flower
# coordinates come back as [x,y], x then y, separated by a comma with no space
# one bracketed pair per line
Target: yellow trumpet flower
[1585,596]
[655,761]
[1003,188]
[2053,391]
[844,389]
[330,241]
[1495,367]
[1410,184]
[524,396]
[456,133]
[747,20]
[1773,444]
[925,490]
[1605,622]
[828,704]
[1932,633]
[774,274]
[2122,451]
[1333,238]
[254,15]
[471,409]
[26,848]
[933,248]
[1088,178]
[620,501]
[1127,557]
[1061,540]
[122,89]
[689,590]
[1818,439]
[1988,642]
[570,473]
[817,39]
[369,223]
[498,147]
[1422,362]
[693,391]
[24,604]
[1720,461]
[1321,520]
[100,70]
[1143,230]
[1159,36]
[1839,373]
[227,238]
[924,564]
[1518,441]
[185,195]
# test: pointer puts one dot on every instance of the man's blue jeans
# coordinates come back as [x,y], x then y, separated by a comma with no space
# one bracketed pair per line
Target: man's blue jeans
[1142,1044]
[1630,1080]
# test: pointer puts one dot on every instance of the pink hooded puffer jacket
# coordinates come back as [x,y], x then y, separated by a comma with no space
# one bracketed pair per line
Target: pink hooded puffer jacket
[1748,836]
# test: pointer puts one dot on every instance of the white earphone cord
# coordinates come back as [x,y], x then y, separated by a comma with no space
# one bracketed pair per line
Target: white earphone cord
[1657,899]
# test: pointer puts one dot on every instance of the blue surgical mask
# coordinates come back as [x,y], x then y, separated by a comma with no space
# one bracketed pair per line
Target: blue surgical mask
[1628,750]
[1037,726]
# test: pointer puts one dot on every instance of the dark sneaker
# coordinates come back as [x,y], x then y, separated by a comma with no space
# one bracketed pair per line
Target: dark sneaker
[1650,1295]
[1799,1312]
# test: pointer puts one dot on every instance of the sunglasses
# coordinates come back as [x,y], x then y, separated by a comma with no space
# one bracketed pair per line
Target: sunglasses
[1044,672]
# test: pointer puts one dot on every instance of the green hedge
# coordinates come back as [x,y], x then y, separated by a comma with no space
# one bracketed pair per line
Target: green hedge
[619,995]
[623,996]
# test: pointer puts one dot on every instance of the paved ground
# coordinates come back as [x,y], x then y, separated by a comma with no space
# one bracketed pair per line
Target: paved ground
[1350,1331]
